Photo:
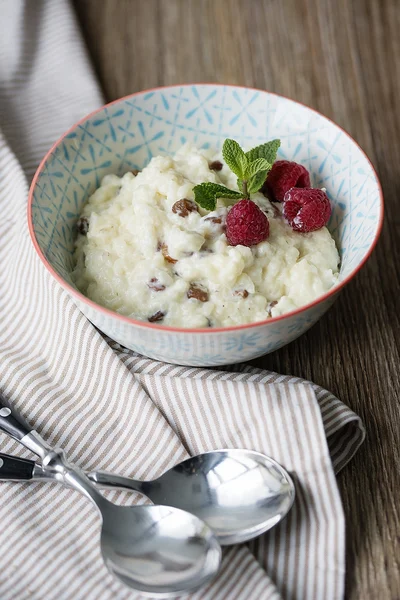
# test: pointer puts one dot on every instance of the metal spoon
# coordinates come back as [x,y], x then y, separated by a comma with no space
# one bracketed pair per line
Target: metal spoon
[157,550]
[238,493]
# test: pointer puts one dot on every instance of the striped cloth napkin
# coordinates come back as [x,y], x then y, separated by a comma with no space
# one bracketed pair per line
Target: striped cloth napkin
[111,409]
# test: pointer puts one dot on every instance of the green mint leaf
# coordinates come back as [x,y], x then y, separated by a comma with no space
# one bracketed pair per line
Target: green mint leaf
[259,164]
[267,151]
[255,182]
[240,184]
[206,194]
[234,157]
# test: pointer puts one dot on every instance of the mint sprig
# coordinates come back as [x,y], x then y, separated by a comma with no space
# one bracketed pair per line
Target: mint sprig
[267,151]
[251,169]
[235,158]
[259,164]
[206,194]
[256,181]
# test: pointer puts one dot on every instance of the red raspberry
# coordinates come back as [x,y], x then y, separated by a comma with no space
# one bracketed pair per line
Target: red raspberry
[246,224]
[306,209]
[283,176]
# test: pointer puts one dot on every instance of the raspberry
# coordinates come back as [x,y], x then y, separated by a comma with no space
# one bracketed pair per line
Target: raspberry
[246,224]
[283,176]
[306,209]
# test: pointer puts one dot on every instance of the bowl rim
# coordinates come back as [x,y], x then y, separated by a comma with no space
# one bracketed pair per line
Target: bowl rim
[214,330]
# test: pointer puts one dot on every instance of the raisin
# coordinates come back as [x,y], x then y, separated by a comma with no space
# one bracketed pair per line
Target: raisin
[156,285]
[198,293]
[158,316]
[216,220]
[184,207]
[241,293]
[164,251]
[216,165]
[82,225]
[271,305]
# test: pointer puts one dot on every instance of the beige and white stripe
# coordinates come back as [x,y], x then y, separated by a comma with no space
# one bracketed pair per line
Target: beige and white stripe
[113,410]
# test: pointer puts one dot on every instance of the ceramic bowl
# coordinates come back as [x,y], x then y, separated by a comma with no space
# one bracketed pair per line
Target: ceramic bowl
[125,134]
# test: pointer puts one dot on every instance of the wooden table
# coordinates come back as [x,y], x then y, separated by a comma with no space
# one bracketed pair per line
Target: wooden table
[341,57]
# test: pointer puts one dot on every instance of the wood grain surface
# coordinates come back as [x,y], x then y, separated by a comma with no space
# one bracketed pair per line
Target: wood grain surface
[341,57]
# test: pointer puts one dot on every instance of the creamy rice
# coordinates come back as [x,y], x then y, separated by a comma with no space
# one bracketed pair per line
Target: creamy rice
[123,263]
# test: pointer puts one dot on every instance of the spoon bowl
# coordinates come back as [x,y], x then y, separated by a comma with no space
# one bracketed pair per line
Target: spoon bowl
[240,494]
[158,550]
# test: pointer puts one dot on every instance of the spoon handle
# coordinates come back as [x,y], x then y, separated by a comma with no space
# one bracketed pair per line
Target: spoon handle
[13,468]
[55,466]
[110,481]
[12,423]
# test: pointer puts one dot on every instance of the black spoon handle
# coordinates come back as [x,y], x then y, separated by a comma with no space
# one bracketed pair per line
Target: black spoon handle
[15,469]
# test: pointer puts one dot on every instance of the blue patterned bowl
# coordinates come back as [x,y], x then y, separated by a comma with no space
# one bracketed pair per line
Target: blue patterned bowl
[125,134]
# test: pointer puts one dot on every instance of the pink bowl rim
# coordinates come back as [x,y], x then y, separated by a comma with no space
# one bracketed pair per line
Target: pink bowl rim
[110,313]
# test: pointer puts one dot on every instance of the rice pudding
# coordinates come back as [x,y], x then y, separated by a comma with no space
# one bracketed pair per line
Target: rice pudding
[146,250]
